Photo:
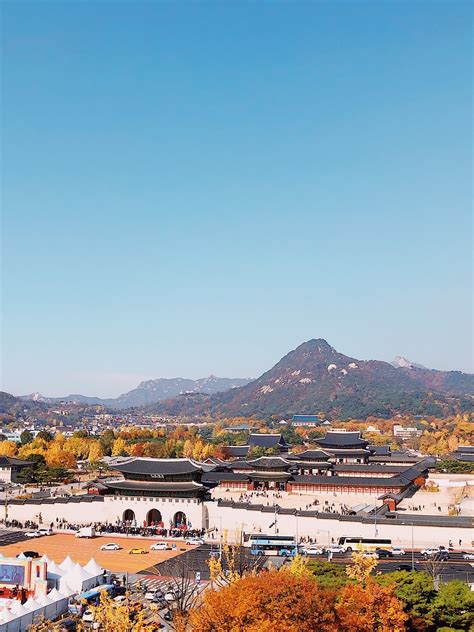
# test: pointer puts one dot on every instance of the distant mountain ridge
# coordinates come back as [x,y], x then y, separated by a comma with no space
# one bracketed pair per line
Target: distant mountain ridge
[315,378]
[149,392]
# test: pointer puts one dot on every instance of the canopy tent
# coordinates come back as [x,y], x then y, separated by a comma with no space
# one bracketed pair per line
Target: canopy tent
[67,564]
[93,568]
[78,579]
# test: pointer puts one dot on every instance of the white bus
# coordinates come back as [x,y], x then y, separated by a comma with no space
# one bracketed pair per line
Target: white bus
[351,543]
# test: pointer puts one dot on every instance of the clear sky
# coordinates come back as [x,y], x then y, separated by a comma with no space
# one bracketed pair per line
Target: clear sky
[196,188]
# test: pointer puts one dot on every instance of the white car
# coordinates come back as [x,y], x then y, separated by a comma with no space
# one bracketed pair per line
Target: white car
[45,531]
[88,616]
[335,548]
[313,550]
[396,550]
[111,546]
[433,550]
[468,556]
[120,599]
[195,541]
[33,534]
[170,596]
[160,546]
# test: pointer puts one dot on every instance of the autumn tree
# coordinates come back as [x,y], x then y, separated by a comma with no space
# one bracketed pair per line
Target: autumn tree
[370,607]
[265,603]
[8,448]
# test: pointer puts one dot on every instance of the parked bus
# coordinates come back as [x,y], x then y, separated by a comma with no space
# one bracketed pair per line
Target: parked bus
[364,544]
[79,603]
[272,545]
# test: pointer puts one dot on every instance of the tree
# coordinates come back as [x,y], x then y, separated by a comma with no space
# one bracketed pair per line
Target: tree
[45,435]
[370,607]
[361,567]
[329,575]
[265,603]
[416,590]
[8,448]
[26,437]
[234,563]
[298,567]
[453,606]
[106,441]
[119,448]
[95,452]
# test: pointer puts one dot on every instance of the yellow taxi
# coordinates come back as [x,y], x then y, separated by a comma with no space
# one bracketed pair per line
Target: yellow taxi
[137,551]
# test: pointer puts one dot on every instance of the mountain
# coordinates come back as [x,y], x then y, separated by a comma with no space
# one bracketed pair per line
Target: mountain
[11,405]
[316,378]
[399,362]
[150,391]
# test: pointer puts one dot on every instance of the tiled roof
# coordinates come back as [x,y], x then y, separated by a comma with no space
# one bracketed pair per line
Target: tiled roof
[185,486]
[336,439]
[266,440]
[312,455]
[158,466]
[9,461]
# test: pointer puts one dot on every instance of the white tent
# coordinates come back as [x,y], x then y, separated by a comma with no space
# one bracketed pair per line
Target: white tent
[54,570]
[67,564]
[93,568]
[58,602]
[65,589]
[78,579]
[30,604]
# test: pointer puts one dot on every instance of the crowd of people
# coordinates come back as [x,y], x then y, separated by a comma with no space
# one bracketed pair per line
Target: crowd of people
[127,528]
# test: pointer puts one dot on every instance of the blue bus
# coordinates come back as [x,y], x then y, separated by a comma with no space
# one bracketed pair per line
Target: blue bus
[282,545]
[78,603]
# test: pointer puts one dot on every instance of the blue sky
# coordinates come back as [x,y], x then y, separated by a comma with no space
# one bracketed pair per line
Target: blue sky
[198,188]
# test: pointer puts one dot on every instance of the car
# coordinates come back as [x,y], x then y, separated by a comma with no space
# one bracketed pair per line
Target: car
[167,616]
[335,548]
[396,550]
[152,595]
[170,596]
[431,551]
[383,553]
[88,616]
[33,534]
[137,551]
[160,546]
[120,599]
[111,546]
[468,556]
[32,554]
[45,531]
[313,550]
[195,541]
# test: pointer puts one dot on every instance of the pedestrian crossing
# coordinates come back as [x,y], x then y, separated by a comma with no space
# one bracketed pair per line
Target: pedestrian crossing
[154,583]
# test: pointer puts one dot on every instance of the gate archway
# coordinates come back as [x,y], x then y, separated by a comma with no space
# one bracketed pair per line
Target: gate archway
[129,516]
[153,518]
[180,520]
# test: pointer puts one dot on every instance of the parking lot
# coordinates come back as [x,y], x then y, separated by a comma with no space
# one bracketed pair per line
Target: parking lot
[60,545]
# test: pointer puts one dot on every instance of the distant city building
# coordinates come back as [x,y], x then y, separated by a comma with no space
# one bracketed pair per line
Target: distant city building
[305,421]
[405,432]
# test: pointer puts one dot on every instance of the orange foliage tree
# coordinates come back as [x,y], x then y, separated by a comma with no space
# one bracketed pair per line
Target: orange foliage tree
[370,607]
[263,603]
[294,602]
